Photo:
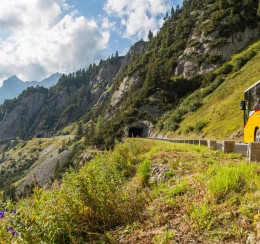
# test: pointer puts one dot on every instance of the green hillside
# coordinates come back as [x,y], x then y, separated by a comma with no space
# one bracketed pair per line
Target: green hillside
[219,115]
[144,191]
[220,110]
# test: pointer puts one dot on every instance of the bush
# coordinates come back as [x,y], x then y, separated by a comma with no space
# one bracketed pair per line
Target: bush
[226,69]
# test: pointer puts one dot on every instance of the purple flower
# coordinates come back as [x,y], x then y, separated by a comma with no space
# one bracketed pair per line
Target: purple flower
[9,228]
[2,214]
[13,211]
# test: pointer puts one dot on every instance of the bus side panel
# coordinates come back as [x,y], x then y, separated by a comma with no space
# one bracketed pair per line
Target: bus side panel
[253,122]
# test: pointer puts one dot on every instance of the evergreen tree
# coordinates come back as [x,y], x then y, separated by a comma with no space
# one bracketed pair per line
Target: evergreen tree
[150,35]
[79,130]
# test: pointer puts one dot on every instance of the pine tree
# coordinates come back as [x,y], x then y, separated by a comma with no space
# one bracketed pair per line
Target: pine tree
[150,35]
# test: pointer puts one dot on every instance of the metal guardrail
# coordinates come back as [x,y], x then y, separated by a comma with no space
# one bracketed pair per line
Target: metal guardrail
[235,147]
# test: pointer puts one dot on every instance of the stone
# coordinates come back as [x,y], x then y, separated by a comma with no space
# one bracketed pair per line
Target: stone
[253,152]
[203,143]
[228,146]
[212,144]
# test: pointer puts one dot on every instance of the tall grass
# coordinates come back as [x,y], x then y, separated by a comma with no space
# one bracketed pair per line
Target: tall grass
[229,179]
[88,202]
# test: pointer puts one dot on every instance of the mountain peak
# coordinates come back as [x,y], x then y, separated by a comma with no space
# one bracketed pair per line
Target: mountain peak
[13,86]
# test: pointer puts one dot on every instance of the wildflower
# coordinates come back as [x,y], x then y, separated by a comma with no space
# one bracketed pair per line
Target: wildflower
[13,211]
[2,213]
[9,228]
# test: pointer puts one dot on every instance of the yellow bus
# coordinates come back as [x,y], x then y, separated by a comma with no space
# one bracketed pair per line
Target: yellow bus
[251,107]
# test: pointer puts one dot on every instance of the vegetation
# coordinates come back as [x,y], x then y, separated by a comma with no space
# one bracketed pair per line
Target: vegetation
[20,157]
[141,189]
[219,111]
[207,196]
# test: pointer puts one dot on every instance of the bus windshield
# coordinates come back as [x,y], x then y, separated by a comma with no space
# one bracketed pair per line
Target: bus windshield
[252,96]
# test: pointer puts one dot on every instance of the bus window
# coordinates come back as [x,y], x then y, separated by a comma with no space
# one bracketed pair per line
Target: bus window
[257,104]
[252,113]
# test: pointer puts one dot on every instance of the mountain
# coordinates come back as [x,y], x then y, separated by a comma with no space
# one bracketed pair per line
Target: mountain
[131,95]
[13,86]
[186,81]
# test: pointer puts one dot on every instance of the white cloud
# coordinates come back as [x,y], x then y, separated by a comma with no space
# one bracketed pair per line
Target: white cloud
[40,37]
[106,24]
[138,16]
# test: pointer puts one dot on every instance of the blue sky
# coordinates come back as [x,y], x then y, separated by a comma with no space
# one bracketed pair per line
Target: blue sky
[41,37]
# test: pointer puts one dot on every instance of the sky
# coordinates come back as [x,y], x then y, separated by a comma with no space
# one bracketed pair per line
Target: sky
[41,37]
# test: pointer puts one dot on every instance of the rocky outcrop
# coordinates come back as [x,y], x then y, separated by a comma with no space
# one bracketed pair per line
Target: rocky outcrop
[40,112]
[16,120]
[125,86]
[206,52]
[137,49]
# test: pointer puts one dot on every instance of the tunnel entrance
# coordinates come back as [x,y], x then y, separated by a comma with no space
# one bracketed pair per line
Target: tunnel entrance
[138,129]
[136,132]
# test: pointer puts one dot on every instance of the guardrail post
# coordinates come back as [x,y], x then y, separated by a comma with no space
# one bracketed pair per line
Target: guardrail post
[212,144]
[196,142]
[253,152]
[228,146]
[203,142]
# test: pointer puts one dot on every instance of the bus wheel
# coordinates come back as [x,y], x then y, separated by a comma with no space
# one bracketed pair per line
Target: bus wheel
[257,135]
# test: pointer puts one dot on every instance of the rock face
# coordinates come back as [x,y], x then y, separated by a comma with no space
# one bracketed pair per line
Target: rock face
[39,112]
[210,47]
[137,49]
[126,85]
[13,121]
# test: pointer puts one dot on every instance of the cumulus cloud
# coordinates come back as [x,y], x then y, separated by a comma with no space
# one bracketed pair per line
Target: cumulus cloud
[40,37]
[138,16]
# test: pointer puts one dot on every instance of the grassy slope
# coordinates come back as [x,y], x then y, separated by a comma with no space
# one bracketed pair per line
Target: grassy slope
[221,108]
[197,195]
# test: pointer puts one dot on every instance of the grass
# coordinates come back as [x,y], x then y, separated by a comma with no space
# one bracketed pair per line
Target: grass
[207,196]
[219,115]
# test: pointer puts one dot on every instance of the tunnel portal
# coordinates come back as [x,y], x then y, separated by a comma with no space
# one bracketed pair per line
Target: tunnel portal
[136,132]
[138,129]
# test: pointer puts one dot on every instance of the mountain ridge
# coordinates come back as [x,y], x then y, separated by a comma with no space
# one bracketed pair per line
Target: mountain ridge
[151,80]
[13,86]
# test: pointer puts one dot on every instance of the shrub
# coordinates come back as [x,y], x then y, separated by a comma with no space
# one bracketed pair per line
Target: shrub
[226,69]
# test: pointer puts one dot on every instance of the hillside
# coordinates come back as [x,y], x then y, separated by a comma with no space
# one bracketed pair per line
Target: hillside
[69,174]
[219,115]
[220,110]
[143,192]
[131,93]
[23,162]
